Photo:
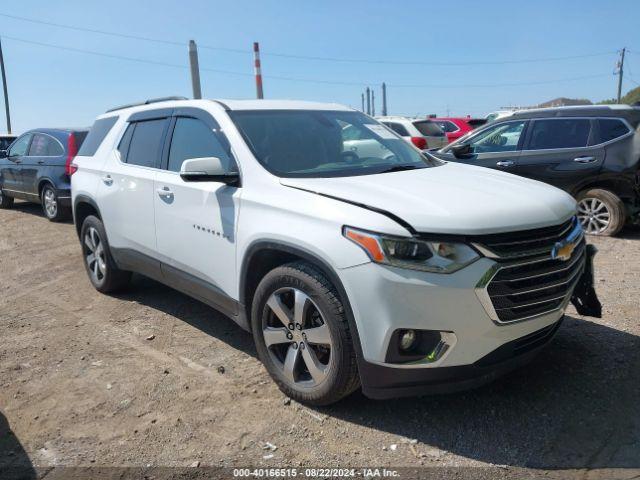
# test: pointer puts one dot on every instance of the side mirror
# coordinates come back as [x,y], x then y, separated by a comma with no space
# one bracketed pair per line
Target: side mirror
[4,154]
[207,169]
[464,150]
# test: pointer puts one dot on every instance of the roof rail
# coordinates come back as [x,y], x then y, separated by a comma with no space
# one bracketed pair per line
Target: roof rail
[147,102]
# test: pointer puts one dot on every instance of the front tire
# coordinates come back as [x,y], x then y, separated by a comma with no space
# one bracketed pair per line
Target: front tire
[5,201]
[601,212]
[98,262]
[302,335]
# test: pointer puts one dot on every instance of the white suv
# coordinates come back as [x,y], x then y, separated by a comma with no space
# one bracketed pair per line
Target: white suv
[399,273]
[422,132]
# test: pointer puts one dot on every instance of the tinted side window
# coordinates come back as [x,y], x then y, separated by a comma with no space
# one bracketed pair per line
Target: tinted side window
[194,139]
[98,132]
[399,129]
[447,126]
[611,129]
[20,146]
[45,146]
[569,133]
[428,128]
[502,137]
[146,143]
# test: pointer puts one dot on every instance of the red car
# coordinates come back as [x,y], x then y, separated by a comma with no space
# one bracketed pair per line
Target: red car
[455,128]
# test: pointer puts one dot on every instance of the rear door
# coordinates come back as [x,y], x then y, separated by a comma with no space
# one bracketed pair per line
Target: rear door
[11,172]
[127,188]
[196,221]
[557,151]
[45,159]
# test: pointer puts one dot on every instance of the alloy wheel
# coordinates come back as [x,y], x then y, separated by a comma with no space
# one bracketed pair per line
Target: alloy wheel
[95,255]
[50,203]
[297,337]
[594,215]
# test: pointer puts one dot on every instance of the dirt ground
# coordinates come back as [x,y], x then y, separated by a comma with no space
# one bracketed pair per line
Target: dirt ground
[135,380]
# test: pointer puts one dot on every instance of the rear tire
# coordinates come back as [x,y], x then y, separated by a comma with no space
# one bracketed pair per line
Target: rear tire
[51,206]
[601,212]
[102,270]
[5,201]
[310,328]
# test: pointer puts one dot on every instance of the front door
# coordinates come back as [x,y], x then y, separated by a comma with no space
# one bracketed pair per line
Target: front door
[196,222]
[46,155]
[12,170]
[557,152]
[497,147]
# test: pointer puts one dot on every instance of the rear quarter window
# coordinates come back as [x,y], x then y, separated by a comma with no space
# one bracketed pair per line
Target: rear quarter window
[610,129]
[97,134]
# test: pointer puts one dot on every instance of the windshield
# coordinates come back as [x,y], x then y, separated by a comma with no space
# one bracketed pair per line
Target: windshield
[318,143]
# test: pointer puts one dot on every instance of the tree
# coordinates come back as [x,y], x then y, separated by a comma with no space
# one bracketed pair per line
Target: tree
[631,97]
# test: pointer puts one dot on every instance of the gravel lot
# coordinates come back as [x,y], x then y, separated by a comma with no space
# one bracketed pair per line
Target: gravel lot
[135,380]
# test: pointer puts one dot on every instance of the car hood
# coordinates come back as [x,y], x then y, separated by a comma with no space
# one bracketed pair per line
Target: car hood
[451,198]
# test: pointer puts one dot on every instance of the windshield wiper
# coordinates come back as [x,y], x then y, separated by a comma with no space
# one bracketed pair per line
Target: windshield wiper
[400,168]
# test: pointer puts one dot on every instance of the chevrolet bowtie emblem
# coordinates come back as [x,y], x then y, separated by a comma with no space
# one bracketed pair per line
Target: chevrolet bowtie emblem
[563,250]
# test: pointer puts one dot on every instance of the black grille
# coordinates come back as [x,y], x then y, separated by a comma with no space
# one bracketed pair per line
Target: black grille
[525,242]
[535,283]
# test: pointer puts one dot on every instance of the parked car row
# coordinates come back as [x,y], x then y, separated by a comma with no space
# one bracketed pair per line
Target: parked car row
[355,258]
[591,152]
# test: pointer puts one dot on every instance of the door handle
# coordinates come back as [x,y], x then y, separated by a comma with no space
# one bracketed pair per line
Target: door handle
[164,192]
[40,162]
[107,180]
[506,163]
[584,159]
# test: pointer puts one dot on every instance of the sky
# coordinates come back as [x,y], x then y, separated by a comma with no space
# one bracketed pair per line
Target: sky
[458,57]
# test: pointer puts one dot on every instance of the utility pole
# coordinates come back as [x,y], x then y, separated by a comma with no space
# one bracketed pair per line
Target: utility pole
[373,103]
[368,101]
[384,99]
[620,72]
[257,70]
[195,70]
[362,98]
[4,88]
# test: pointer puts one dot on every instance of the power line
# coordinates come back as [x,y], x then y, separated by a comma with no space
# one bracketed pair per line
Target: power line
[496,85]
[439,64]
[306,57]
[293,79]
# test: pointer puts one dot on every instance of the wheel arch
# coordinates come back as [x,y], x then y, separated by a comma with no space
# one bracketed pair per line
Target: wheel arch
[263,256]
[623,188]
[41,184]
[84,206]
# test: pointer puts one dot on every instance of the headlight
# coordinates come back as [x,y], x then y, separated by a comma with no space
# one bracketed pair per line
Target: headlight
[430,256]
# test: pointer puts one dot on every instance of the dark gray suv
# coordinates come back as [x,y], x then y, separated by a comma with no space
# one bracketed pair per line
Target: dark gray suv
[591,152]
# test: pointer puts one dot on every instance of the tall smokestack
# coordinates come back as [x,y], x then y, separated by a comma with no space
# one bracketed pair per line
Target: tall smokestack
[258,71]
[384,99]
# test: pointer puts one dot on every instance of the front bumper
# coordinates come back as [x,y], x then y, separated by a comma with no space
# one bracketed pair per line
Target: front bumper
[381,382]
[384,299]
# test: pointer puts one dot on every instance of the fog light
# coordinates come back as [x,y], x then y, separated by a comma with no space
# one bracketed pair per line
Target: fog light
[407,339]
